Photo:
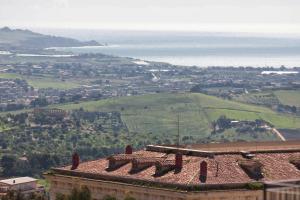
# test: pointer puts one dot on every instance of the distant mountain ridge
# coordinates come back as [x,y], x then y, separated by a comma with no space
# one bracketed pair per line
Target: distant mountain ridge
[19,39]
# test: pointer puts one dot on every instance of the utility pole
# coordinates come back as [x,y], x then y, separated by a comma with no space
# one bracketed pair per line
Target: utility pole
[178,132]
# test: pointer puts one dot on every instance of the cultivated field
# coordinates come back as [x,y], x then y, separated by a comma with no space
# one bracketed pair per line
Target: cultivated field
[289,97]
[158,113]
[44,82]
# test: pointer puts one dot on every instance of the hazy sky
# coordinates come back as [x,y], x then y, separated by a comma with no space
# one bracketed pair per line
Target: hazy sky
[279,16]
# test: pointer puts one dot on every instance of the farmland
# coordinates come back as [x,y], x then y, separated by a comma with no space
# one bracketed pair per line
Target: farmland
[44,82]
[52,83]
[289,97]
[158,113]
[138,120]
[261,98]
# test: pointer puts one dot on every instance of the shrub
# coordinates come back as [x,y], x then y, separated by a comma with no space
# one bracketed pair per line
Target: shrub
[129,198]
[255,186]
[108,197]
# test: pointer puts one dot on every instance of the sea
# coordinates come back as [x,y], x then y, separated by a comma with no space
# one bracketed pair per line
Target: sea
[201,49]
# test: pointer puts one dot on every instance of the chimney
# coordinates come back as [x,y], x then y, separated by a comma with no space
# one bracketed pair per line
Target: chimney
[75,161]
[128,149]
[295,161]
[139,164]
[119,160]
[178,161]
[253,168]
[203,171]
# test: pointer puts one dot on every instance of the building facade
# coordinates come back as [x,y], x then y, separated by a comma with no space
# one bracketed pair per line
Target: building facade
[216,172]
[25,185]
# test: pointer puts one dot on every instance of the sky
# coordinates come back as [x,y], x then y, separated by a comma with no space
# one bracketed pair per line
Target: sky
[266,16]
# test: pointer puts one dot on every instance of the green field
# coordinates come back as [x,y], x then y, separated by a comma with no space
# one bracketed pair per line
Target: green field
[51,83]
[42,82]
[9,75]
[232,135]
[289,97]
[261,98]
[44,183]
[285,97]
[158,113]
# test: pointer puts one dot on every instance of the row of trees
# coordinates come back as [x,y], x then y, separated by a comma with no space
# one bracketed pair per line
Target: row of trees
[85,194]
[17,195]
[33,164]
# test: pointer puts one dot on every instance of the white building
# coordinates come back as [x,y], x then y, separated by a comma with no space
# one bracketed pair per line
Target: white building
[25,185]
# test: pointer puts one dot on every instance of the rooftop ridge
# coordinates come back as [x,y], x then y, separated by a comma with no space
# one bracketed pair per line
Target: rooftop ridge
[205,153]
[174,150]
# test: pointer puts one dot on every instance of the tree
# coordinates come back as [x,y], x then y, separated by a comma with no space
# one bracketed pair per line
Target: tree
[294,109]
[108,197]
[214,126]
[224,122]
[76,194]
[9,196]
[8,162]
[85,194]
[129,198]
[17,195]
[39,102]
[61,197]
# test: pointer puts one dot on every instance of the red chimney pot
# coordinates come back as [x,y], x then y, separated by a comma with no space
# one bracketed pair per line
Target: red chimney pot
[178,161]
[128,149]
[203,171]
[75,161]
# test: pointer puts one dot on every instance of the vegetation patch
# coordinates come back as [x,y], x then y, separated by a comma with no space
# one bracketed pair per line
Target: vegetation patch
[289,97]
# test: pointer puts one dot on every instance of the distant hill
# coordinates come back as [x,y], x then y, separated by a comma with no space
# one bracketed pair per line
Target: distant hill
[18,39]
[152,118]
[158,114]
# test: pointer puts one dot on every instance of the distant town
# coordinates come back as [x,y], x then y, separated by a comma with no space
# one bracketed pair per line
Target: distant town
[23,84]
[163,128]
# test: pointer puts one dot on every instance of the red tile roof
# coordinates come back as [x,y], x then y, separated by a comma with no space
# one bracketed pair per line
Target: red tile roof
[222,169]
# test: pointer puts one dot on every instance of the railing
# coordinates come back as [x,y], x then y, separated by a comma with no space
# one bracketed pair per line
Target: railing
[3,189]
[288,190]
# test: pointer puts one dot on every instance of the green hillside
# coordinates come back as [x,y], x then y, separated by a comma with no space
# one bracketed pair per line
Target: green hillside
[158,113]
[289,97]
[147,119]
[284,97]
[12,39]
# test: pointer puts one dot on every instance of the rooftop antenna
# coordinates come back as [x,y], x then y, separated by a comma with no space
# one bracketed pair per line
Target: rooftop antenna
[178,131]
[217,170]
[128,139]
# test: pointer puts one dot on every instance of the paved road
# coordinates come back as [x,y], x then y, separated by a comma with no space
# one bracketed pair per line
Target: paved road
[274,130]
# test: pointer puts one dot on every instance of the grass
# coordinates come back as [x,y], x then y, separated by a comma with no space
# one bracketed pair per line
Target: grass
[154,113]
[285,97]
[232,135]
[44,183]
[9,75]
[42,82]
[51,83]
[261,98]
[158,113]
[289,97]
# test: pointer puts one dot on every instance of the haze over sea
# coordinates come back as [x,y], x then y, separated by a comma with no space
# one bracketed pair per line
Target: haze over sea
[192,48]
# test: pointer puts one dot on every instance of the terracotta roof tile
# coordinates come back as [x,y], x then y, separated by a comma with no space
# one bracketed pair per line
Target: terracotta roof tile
[222,169]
